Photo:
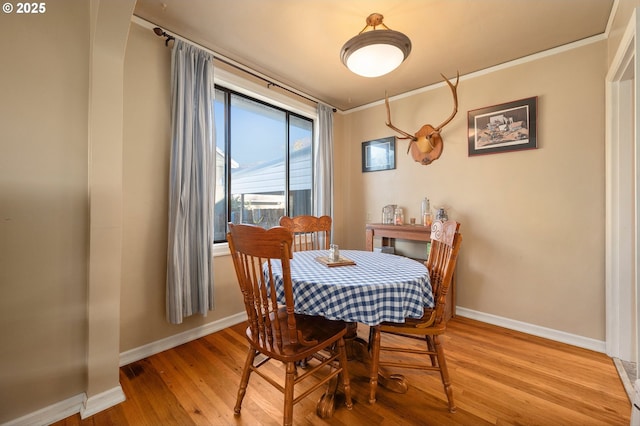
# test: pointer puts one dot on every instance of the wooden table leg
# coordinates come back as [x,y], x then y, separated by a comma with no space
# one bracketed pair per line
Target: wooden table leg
[393,382]
[358,351]
[326,404]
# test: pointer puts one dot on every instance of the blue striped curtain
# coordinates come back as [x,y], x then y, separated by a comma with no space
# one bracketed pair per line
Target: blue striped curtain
[323,179]
[191,184]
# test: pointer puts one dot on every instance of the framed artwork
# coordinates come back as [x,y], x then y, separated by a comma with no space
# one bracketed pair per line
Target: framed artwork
[505,127]
[379,154]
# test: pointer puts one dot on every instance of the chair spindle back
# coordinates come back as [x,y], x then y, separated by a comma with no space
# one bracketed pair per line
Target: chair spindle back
[445,245]
[309,232]
[254,250]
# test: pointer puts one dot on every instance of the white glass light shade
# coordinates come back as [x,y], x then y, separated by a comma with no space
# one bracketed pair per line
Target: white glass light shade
[375,60]
[375,53]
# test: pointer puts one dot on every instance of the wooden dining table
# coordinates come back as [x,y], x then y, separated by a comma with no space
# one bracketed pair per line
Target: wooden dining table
[365,287]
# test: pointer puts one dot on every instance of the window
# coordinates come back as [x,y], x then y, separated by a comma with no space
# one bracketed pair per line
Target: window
[264,162]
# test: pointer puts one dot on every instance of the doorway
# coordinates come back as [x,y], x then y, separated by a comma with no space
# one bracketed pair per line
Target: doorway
[622,208]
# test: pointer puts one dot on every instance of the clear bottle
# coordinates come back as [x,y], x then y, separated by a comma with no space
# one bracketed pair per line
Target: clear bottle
[425,209]
[334,253]
[398,217]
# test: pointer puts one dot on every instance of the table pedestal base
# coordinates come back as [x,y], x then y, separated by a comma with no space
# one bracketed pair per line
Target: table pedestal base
[358,351]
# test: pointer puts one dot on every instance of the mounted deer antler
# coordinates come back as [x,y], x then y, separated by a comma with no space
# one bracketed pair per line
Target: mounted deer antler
[426,145]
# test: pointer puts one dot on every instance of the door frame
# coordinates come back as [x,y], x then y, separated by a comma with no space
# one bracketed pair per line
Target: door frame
[622,198]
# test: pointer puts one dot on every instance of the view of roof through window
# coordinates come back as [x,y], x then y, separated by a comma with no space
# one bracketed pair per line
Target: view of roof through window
[269,170]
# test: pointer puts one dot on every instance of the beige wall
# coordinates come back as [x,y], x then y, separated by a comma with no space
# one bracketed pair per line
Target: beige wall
[43,207]
[109,30]
[532,221]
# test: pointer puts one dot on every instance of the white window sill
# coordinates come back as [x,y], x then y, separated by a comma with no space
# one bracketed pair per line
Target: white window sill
[221,249]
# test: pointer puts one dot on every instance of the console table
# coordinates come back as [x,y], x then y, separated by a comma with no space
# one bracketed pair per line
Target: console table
[389,233]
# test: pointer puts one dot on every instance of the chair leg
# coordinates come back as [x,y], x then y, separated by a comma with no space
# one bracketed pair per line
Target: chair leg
[374,341]
[432,349]
[244,381]
[289,381]
[444,374]
[342,350]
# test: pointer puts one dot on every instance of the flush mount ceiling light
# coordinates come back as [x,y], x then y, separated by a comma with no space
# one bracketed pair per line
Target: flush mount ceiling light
[376,52]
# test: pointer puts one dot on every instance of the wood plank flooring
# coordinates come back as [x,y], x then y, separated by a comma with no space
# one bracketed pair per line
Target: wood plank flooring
[500,377]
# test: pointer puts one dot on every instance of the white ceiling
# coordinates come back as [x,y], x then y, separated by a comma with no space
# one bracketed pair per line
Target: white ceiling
[298,42]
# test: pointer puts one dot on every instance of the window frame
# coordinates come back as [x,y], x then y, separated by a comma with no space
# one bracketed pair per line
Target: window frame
[236,84]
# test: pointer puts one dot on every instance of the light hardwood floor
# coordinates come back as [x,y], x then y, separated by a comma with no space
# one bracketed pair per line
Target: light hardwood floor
[499,376]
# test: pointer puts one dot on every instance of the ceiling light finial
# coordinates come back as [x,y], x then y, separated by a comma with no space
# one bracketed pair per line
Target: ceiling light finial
[376,52]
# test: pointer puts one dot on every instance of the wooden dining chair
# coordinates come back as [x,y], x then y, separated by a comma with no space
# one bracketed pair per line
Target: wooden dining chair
[309,232]
[445,245]
[275,330]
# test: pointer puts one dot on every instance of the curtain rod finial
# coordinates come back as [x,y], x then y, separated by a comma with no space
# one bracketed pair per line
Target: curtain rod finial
[161,33]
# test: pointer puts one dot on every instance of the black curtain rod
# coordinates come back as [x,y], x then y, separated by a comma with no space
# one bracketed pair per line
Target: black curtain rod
[161,33]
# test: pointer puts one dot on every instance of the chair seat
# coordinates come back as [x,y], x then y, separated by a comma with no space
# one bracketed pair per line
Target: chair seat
[425,325]
[313,332]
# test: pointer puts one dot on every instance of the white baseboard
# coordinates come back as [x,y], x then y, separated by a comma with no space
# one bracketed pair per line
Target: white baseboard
[102,401]
[158,346]
[535,330]
[50,414]
[90,406]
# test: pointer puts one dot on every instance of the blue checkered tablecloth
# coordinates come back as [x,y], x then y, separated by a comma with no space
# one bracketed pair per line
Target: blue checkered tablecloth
[379,287]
